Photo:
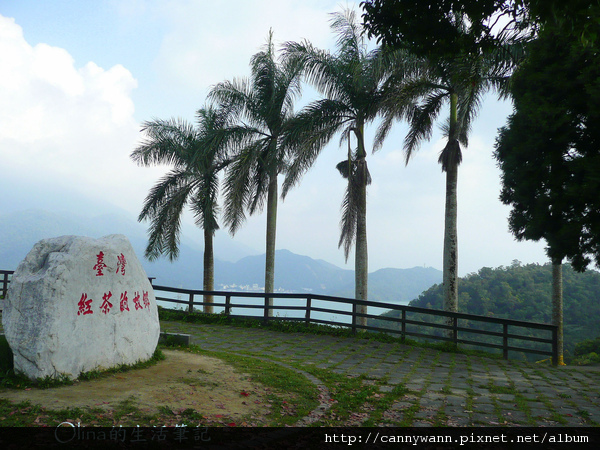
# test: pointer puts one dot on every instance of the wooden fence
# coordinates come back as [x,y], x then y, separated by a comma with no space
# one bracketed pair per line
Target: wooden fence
[459,330]
[513,332]
[4,280]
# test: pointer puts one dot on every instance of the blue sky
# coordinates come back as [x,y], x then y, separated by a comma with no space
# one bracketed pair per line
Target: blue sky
[78,78]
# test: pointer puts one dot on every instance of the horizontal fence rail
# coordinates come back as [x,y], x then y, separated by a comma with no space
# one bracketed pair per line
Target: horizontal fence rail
[460,325]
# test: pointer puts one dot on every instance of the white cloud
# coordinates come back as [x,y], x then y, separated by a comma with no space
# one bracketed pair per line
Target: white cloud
[64,125]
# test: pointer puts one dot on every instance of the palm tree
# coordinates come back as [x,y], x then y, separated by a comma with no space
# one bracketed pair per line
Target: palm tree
[460,83]
[197,156]
[260,109]
[353,84]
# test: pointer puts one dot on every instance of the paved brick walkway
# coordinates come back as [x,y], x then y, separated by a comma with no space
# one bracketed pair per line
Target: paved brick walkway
[456,389]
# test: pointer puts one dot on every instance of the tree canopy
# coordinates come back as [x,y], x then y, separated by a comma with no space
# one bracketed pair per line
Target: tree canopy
[444,27]
[549,152]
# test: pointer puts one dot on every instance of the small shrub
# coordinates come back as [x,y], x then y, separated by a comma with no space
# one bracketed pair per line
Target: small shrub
[586,360]
[587,346]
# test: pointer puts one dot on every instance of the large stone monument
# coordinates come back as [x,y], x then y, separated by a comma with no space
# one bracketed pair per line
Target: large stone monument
[77,304]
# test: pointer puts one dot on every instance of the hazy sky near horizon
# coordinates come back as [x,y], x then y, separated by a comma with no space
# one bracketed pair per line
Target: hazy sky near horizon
[78,78]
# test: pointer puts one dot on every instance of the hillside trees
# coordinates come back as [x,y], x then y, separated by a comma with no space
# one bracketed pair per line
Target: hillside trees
[520,292]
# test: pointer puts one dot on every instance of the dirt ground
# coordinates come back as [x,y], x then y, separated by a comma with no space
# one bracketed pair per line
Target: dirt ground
[182,380]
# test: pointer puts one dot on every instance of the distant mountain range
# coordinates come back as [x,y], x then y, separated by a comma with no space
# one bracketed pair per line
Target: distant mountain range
[235,267]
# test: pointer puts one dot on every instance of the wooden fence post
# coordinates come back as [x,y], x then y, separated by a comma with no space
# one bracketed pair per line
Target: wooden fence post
[354,318]
[403,325]
[455,331]
[191,304]
[308,305]
[266,313]
[505,340]
[227,305]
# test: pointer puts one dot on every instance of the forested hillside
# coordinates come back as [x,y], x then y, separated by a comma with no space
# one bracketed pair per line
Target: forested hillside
[523,292]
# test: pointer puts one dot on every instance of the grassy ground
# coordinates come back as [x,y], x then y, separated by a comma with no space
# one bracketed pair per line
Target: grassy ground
[291,397]
[352,400]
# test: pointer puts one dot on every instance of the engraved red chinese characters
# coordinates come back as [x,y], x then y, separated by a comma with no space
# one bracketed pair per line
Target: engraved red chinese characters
[121,263]
[124,306]
[106,305]
[136,301]
[100,266]
[85,305]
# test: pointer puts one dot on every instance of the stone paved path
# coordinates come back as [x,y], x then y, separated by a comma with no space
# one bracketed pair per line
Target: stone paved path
[452,389]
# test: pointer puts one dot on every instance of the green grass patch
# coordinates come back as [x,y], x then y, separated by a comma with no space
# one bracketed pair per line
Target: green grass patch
[501,389]
[292,395]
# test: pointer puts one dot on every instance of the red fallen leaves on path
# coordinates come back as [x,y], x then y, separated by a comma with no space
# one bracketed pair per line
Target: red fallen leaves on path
[245,394]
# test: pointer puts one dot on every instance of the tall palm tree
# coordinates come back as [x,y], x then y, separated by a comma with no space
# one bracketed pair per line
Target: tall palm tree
[353,84]
[260,109]
[197,156]
[460,83]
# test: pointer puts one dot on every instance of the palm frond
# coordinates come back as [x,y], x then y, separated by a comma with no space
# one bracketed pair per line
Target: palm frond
[165,142]
[309,132]
[348,219]
[198,155]
[243,184]
[359,176]
[320,69]
[239,99]
[203,202]
[350,42]
[163,207]
[344,168]
[451,155]
[421,122]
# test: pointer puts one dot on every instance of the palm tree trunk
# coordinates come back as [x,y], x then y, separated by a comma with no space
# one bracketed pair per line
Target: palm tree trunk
[270,238]
[209,270]
[450,263]
[361,259]
[450,269]
[557,306]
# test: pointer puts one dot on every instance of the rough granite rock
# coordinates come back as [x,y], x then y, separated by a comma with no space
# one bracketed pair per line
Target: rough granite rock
[77,304]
